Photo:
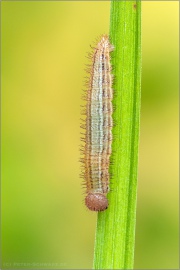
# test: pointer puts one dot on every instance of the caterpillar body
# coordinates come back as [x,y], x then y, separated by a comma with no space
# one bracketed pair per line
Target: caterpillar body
[98,127]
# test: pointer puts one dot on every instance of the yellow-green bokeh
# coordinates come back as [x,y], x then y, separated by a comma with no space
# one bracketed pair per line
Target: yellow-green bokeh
[44,221]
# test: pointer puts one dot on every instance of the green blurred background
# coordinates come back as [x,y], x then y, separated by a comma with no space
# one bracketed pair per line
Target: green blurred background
[44,221]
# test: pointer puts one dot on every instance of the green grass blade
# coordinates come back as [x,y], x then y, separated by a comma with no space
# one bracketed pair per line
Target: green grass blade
[115,235]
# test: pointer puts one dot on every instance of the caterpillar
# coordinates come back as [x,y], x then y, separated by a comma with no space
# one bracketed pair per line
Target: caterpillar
[98,127]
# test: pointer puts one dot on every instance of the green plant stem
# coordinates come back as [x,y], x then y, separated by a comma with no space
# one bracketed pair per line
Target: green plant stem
[115,235]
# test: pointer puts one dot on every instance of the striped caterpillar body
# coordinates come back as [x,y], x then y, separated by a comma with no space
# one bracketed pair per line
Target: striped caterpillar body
[98,127]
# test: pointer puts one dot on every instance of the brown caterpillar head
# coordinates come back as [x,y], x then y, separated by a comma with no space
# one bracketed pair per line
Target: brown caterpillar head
[96,202]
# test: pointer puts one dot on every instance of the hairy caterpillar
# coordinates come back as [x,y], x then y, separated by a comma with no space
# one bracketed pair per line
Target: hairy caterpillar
[98,127]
